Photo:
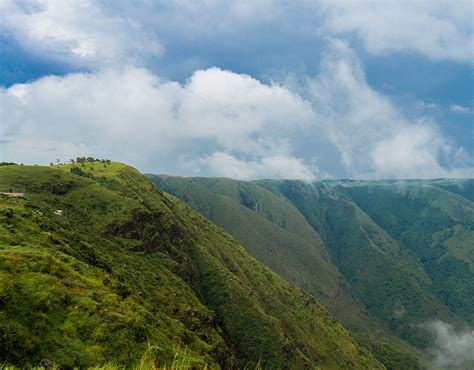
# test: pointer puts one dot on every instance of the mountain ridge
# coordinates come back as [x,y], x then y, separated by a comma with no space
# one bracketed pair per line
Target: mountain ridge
[119,268]
[329,207]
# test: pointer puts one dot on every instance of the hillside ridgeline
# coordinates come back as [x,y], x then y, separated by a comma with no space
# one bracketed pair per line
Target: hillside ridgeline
[99,265]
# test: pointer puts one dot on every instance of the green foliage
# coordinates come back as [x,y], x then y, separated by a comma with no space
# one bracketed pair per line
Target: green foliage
[90,160]
[437,227]
[125,269]
[275,233]
[77,171]
[150,360]
[381,256]
[392,357]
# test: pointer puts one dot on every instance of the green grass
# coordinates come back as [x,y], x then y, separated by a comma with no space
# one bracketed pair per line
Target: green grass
[108,170]
[149,360]
[127,269]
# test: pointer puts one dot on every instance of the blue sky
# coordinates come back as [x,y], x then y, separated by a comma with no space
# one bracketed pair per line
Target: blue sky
[246,89]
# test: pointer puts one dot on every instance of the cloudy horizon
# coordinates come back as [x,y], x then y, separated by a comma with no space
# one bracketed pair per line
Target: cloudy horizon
[266,89]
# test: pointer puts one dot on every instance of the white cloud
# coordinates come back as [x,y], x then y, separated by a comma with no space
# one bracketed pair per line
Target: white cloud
[411,152]
[134,116]
[373,137]
[456,108]
[440,30]
[233,107]
[452,350]
[226,124]
[77,32]
[274,166]
[102,33]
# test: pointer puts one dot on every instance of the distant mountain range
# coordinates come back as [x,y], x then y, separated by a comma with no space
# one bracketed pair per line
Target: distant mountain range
[385,257]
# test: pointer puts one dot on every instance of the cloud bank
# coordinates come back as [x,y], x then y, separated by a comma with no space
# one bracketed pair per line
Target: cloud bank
[374,138]
[439,30]
[452,349]
[219,122]
[227,124]
[134,116]
[98,33]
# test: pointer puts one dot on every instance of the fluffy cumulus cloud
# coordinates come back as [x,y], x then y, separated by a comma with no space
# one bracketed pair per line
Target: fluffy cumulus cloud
[227,124]
[99,32]
[452,349]
[272,166]
[133,115]
[220,122]
[78,32]
[373,137]
[440,30]
[235,108]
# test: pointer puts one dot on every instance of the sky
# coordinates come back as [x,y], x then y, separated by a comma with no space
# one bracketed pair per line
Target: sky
[245,89]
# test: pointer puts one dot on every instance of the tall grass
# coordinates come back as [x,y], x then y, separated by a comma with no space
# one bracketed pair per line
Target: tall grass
[149,361]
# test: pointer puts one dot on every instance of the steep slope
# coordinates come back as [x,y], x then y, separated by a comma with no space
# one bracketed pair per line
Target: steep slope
[387,277]
[122,266]
[277,234]
[437,226]
[463,187]
[402,248]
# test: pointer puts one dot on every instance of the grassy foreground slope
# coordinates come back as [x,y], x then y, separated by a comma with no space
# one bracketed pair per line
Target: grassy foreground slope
[123,266]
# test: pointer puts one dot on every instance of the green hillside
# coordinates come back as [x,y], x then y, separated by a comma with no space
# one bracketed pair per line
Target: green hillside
[437,226]
[390,278]
[278,235]
[98,265]
[383,268]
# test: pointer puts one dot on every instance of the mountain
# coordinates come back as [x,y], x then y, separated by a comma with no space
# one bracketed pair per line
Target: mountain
[98,265]
[385,257]
[435,223]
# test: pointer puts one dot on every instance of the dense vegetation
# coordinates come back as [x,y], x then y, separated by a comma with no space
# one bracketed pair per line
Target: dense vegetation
[100,265]
[437,227]
[384,257]
[277,234]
